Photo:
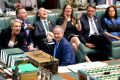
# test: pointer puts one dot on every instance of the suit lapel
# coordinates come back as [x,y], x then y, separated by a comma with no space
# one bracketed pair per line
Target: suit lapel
[87,23]
[96,23]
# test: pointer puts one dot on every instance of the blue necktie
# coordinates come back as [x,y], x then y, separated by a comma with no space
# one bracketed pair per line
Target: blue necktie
[55,49]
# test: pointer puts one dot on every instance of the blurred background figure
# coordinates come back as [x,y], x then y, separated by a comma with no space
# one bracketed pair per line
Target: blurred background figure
[28,4]
[4,4]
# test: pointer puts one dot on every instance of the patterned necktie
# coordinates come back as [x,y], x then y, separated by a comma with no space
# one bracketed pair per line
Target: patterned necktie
[93,27]
[55,49]
[46,25]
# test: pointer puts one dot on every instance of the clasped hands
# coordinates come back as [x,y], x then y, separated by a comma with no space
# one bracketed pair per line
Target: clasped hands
[50,36]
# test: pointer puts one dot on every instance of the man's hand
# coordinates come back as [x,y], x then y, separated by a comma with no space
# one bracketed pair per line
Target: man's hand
[79,16]
[18,5]
[31,48]
[90,45]
[50,36]
[30,27]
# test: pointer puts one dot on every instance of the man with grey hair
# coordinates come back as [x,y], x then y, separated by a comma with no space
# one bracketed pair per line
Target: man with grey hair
[62,49]
[43,31]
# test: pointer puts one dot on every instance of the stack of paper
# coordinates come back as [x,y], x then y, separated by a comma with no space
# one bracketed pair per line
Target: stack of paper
[86,65]
[63,69]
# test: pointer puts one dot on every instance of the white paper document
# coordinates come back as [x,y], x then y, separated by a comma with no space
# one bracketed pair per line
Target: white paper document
[63,69]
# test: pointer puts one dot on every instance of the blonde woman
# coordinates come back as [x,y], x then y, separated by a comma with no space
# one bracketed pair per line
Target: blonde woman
[10,37]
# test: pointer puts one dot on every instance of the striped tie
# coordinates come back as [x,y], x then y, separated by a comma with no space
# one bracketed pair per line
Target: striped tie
[46,25]
[93,27]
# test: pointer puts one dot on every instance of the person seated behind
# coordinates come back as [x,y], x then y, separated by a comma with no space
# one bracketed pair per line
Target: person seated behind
[11,37]
[68,21]
[43,31]
[92,34]
[26,30]
[63,49]
[6,4]
[111,23]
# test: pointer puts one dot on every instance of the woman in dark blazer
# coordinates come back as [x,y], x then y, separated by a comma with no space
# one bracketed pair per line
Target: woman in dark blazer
[11,37]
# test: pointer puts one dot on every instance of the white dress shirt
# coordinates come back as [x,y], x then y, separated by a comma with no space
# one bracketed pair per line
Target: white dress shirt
[92,31]
[44,26]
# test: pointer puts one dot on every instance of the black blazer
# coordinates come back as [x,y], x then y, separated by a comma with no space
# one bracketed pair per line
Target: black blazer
[5,36]
[39,32]
[86,27]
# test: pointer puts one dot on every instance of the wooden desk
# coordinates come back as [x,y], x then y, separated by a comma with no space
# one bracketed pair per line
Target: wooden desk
[65,76]
[74,76]
[112,62]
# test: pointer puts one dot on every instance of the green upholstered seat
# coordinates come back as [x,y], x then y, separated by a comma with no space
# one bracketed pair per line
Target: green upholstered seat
[52,17]
[2,23]
[31,18]
[116,49]
[116,44]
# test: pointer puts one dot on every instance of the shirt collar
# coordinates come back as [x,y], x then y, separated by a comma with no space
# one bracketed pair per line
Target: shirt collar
[90,18]
[43,19]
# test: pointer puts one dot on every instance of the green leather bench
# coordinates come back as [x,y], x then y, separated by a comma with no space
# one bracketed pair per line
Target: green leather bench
[5,22]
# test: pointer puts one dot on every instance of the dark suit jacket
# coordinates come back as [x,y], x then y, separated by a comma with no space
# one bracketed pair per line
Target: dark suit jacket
[9,4]
[5,36]
[65,53]
[39,32]
[86,28]
[26,37]
[6,3]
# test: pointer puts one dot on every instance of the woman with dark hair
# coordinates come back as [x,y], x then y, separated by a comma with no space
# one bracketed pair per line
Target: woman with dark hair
[68,22]
[112,23]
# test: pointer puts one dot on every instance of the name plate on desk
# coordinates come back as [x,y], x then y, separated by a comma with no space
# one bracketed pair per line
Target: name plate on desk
[40,58]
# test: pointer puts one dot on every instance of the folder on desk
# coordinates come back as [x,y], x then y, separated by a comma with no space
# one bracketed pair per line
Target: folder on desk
[26,68]
[17,59]
[6,53]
